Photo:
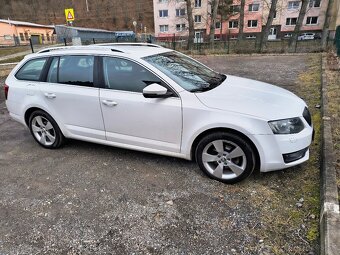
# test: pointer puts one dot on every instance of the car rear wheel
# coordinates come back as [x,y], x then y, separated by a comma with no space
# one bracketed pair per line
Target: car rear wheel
[45,130]
[225,157]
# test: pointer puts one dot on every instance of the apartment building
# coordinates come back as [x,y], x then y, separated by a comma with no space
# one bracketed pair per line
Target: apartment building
[171,18]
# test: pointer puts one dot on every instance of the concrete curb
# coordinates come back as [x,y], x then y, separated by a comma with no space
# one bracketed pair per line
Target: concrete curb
[329,215]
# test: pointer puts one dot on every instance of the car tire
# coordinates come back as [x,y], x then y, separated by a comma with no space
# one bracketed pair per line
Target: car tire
[225,157]
[45,130]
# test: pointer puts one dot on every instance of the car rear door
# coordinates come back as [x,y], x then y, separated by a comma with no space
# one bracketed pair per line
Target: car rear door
[132,119]
[70,95]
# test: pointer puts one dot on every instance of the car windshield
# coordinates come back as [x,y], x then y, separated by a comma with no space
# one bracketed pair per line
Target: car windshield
[189,74]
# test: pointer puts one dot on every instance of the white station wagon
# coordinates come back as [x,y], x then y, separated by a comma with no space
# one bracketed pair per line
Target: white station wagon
[148,98]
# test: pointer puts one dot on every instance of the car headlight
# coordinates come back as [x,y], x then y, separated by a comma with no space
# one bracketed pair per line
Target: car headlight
[286,126]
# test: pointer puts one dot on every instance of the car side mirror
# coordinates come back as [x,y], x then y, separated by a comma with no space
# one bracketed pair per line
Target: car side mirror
[155,90]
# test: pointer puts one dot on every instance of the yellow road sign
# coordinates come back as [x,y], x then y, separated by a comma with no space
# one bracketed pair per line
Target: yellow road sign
[69,14]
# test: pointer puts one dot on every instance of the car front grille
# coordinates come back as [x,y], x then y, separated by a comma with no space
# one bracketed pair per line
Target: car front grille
[307,116]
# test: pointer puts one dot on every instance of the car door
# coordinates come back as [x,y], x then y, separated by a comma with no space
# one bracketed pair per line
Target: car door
[132,119]
[70,95]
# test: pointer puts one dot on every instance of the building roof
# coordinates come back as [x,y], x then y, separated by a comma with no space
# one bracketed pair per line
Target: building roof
[86,29]
[23,23]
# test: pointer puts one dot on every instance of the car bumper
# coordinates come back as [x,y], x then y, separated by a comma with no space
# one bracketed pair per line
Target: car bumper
[282,151]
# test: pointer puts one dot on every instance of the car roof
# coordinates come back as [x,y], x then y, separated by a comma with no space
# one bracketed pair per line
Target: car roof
[134,50]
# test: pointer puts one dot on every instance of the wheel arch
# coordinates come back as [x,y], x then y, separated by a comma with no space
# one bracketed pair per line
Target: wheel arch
[32,109]
[228,130]
[29,111]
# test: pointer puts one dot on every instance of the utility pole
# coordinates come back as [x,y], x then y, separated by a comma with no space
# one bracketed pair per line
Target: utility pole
[87,6]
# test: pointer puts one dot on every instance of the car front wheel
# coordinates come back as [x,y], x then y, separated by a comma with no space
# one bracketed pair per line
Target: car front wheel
[45,130]
[225,157]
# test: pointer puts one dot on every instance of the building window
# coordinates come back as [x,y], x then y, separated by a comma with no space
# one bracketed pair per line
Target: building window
[234,8]
[164,28]
[252,23]
[180,27]
[233,24]
[48,37]
[291,21]
[22,38]
[292,5]
[314,3]
[233,37]
[163,1]
[180,12]
[7,37]
[251,36]
[198,18]
[26,36]
[254,7]
[312,21]
[198,3]
[43,37]
[163,13]
[218,24]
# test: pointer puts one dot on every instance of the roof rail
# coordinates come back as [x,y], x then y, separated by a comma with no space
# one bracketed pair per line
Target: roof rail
[128,44]
[57,48]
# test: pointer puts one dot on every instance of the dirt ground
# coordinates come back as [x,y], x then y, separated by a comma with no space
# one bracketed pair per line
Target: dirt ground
[92,199]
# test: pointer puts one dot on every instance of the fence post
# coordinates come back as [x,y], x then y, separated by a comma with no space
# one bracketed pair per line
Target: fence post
[65,42]
[94,41]
[228,38]
[31,44]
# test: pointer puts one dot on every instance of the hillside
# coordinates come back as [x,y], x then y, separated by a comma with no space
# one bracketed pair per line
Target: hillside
[105,14]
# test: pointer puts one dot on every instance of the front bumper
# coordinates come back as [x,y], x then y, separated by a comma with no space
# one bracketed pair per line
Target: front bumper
[273,149]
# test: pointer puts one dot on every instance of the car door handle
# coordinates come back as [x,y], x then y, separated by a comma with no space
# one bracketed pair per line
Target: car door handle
[50,95]
[109,103]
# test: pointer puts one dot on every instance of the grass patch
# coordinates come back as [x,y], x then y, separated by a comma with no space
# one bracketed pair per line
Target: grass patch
[333,94]
[12,50]
[12,60]
[286,227]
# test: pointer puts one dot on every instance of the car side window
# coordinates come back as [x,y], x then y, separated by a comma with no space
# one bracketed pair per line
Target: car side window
[75,70]
[122,74]
[31,70]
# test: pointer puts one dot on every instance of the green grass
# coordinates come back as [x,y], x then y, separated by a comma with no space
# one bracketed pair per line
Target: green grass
[286,228]
[333,95]
[12,50]
[12,60]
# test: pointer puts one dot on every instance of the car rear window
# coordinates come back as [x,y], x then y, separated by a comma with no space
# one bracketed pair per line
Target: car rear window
[31,70]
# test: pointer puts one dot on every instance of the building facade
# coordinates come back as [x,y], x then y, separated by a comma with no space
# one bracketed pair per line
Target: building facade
[171,18]
[18,33]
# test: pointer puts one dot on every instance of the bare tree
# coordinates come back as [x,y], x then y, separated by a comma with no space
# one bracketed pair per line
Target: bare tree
[302,13]
[241,23]
[191,25]
[325,30]
[213,19]
[225,12]
[266,30]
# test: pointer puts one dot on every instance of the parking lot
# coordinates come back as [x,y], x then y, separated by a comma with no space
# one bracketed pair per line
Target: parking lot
[87,198]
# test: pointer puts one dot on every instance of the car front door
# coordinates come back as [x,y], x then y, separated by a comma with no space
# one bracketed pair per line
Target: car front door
[70,95]
[132,119]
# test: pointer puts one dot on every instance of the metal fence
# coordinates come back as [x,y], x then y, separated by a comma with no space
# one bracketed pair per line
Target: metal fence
[9,40]
[245,46]
[225,46]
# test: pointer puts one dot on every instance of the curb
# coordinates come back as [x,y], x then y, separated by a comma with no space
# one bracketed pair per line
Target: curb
[329,215]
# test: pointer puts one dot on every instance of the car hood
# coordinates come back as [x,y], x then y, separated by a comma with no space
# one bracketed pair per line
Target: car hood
[254,98]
